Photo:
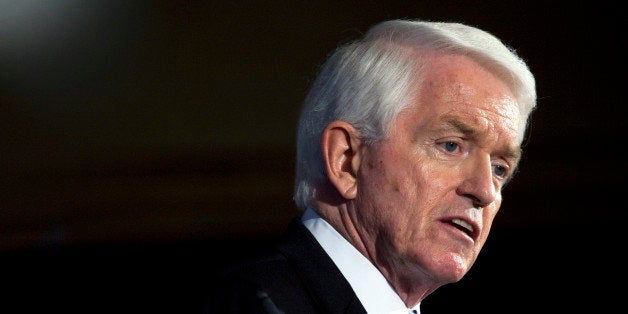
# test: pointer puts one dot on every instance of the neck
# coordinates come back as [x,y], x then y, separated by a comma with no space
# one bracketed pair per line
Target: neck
[409,281]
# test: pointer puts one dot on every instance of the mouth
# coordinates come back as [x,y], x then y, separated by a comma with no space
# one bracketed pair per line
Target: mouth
[465,226]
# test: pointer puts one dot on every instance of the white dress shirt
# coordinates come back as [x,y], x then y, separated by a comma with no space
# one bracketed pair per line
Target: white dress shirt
[374,292]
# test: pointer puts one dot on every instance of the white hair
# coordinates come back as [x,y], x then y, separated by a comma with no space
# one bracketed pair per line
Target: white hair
[368,82]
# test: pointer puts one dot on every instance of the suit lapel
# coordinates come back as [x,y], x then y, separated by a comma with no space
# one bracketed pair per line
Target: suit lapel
[330,290]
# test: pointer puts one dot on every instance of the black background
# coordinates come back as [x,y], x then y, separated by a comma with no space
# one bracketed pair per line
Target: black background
[145,143]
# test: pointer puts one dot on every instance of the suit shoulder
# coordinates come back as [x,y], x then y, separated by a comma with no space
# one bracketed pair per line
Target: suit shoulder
[260,284]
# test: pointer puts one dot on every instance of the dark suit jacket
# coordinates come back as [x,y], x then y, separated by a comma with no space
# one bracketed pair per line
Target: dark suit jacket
[295,275]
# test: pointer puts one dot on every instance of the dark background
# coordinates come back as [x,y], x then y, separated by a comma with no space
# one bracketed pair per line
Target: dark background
[145,143]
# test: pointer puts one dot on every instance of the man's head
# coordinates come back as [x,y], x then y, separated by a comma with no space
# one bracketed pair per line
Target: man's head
[370,81]
[406,141]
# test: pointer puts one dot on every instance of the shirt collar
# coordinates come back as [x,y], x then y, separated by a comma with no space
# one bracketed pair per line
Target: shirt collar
[370,286]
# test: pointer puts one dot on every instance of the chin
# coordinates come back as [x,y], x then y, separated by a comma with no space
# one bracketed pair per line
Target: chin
[451,269]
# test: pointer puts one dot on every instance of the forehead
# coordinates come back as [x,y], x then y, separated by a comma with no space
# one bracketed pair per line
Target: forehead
[457,86]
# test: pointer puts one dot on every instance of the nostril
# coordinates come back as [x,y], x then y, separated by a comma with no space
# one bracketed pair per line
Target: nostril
[477,203]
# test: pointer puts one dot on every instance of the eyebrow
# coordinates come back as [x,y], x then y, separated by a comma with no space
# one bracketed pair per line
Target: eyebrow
[511,152]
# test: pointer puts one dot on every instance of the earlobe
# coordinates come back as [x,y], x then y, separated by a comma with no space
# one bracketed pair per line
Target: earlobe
[342,157]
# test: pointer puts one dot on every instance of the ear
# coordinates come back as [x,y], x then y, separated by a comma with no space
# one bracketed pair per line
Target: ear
[341,154]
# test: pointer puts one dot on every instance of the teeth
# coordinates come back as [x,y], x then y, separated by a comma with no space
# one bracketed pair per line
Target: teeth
[463,224]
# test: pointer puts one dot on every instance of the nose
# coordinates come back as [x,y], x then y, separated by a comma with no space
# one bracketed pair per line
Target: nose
[477,182]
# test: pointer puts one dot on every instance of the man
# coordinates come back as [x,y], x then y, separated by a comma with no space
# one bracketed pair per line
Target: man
[404,144]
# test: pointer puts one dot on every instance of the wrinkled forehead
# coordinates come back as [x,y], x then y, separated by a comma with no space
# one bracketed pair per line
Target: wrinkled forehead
[456,85]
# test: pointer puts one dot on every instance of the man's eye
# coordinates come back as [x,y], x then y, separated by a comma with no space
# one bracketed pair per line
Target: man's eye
[450,146]
[500,170]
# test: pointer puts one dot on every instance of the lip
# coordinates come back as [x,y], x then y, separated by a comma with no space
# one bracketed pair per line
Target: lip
[474,235]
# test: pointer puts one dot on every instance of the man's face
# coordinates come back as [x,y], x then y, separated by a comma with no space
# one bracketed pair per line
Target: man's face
[428,194]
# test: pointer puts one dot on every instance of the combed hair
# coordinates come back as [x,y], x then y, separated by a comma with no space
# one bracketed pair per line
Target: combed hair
[368,82]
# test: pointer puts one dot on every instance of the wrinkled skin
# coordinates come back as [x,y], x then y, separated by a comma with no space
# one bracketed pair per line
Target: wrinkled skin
[447,156]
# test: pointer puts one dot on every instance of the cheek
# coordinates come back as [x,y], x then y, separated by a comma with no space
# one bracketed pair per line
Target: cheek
[403,198]
[404,183]
[382,172]
[430,183]
[386,188]
[400,183]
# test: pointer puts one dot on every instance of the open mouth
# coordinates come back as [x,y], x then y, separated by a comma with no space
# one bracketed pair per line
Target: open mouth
[463,226]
